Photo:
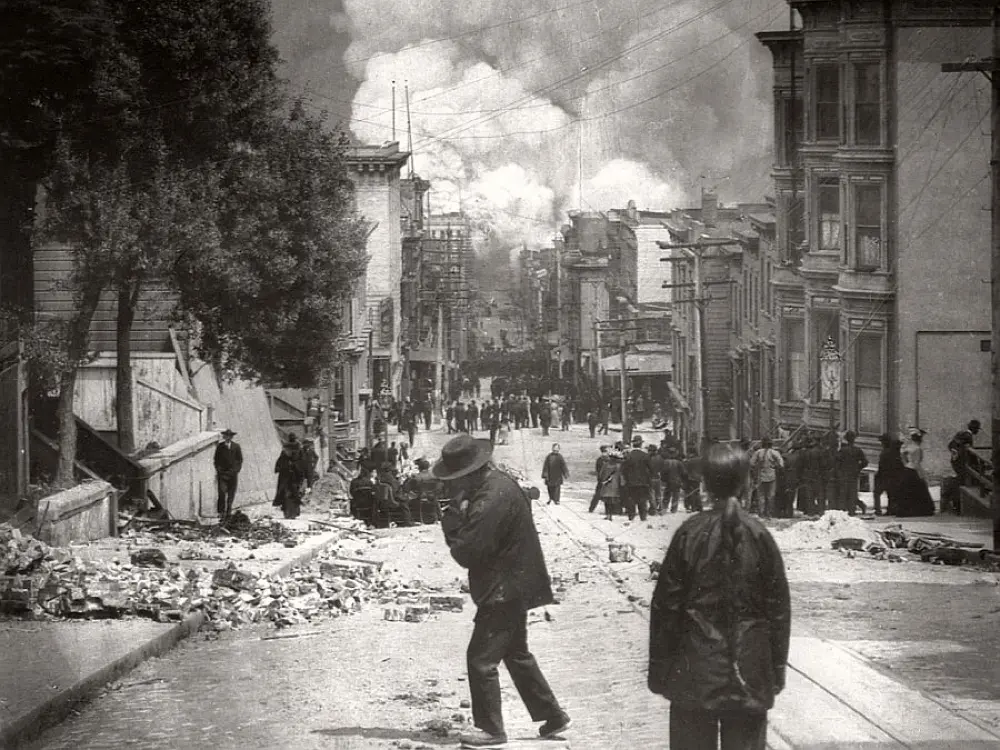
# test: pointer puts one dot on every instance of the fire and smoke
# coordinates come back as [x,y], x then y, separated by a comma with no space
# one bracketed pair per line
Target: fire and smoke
[523,109]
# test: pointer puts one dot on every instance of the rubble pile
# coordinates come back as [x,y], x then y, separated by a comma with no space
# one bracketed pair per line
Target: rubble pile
[820,534]
[46,582]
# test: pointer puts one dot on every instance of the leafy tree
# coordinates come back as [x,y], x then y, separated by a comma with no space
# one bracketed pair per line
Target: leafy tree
[268,294]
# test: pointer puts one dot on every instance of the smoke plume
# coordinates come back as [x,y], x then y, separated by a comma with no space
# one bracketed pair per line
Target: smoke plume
[523,109]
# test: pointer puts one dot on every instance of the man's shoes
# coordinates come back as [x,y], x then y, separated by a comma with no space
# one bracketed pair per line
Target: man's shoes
[480,739]
[555,726]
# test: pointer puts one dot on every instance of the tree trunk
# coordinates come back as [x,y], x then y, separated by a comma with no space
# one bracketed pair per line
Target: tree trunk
[76,350]
[128,299]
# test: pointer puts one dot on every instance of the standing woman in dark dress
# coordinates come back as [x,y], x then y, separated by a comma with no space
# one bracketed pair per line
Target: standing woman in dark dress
[720,619]
[288,467]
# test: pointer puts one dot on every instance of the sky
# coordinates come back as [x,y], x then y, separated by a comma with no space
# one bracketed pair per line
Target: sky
[522,110]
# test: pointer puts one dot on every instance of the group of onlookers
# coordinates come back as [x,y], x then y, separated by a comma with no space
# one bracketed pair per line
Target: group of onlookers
[381,496]
[500,415]
[647,480]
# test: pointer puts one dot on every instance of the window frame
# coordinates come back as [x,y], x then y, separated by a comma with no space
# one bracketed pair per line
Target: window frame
[858,384]
[819,105]
[793,365]
[824,186]
[857,186]
[857,67]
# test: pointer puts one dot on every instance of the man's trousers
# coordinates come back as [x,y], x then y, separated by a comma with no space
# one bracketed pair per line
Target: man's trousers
[501,635]
[554,492]
[633,497]
[226,484]
[694,729]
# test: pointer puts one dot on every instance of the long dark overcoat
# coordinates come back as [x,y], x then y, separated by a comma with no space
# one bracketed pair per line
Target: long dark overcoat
[719,631]
[494,537]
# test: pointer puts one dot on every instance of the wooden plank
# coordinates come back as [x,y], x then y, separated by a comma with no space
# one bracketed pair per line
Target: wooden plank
[901,711]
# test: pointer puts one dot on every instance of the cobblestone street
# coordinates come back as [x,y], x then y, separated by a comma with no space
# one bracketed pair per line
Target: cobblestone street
[362,682]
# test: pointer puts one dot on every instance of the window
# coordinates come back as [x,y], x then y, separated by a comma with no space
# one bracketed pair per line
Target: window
[791,129]
[795,359]
[829,215]
[796,225]
[868,384]
[868,226]
[827,97]
[867,104]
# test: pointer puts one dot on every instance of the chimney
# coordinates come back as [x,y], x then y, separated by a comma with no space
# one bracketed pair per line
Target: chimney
[709,208]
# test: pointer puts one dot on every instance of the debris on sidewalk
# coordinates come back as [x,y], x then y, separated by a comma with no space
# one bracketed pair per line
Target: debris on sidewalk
[619,552]
[40,581]
[822,532]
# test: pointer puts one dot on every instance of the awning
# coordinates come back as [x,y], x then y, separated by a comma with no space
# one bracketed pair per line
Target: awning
[639,363]
[680,403]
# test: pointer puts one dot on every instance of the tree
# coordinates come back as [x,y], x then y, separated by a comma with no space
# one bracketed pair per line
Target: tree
[269,294]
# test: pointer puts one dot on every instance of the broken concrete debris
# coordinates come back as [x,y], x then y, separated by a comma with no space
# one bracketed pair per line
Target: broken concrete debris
[39,581]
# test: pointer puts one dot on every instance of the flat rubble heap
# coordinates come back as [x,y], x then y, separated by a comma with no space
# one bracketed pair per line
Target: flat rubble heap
[40,581]
[893,543]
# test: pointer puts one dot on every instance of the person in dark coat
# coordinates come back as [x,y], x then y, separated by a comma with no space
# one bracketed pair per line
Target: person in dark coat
[425,492]
[489,530]
[720,619]
[672,478]
[889,474]
[850,461]
[449,416]
[692,483]
[605,416]
[554,473]
[472,415]
[636,480]
[228,462]
[533,408]
[545,417]
[289,468]
[310,460]
[598,466]
[592,422]
[656,464]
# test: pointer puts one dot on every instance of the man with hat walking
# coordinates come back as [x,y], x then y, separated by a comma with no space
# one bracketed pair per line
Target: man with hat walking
[228,463]
[490,531]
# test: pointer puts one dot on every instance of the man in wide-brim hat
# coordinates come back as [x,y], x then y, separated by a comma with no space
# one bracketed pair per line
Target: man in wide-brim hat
[490,531]
[228,461]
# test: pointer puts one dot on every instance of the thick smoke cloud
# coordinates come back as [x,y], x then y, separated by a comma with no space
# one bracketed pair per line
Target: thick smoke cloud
[518,104]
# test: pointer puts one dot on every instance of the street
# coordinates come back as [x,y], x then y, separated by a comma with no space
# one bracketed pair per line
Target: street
[362,682]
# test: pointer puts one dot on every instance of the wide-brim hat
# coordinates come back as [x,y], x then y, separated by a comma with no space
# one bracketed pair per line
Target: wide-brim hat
[462,455]
[227,433]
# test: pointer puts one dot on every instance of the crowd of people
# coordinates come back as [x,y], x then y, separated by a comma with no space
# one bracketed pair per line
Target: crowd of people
[392,490]
[810,473]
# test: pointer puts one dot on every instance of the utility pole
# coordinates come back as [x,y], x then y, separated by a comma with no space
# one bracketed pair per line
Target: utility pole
[990,67]
[622,389]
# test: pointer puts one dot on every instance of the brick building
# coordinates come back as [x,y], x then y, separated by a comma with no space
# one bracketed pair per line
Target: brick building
[881,185]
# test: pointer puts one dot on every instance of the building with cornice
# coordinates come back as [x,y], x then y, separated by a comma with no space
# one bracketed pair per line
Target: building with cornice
[375,171]
[881,217]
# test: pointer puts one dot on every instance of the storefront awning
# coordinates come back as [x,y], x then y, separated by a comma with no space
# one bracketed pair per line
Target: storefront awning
[680,403]
[639,363]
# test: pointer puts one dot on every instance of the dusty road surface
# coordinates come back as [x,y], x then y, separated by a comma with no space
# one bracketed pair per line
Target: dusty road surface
[359,681]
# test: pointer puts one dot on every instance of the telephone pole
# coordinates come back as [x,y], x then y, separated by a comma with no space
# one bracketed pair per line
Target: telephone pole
[990,67]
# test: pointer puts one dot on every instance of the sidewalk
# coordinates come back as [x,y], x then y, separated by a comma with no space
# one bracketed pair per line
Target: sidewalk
[46,667]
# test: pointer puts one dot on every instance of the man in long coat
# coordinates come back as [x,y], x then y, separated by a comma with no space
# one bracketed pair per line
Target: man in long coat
[490,531]
[228,461]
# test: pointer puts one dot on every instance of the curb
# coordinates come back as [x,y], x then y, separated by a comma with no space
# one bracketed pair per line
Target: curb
[31,724]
